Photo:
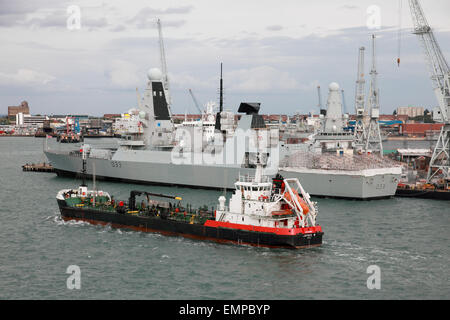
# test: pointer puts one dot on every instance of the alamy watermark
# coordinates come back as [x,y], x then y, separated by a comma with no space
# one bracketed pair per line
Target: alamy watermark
[374,280]
[373,17]
[73,21]
[244,148]
[74,280]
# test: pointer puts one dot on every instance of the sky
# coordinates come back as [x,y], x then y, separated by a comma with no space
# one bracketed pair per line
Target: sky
[273,52]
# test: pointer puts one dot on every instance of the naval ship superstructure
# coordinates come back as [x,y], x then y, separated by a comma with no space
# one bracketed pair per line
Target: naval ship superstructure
[155,156]
[331,166]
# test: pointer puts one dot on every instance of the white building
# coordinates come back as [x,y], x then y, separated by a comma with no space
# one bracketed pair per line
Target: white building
[27,120]
[410,111]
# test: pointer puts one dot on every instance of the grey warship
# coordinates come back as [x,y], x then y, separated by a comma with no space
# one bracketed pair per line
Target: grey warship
[160,155]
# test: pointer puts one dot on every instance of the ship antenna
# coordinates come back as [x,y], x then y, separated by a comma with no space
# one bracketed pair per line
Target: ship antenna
[83,170]
[221,90]
[217,125]
[259,167]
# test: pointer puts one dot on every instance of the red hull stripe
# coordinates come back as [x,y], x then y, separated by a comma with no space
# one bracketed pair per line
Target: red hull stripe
[279,231]
[167,233]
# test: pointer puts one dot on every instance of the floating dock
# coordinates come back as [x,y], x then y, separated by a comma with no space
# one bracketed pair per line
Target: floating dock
[38,167]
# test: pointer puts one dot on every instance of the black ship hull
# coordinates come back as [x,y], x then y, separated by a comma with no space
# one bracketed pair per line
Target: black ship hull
[188,230]
[425,194]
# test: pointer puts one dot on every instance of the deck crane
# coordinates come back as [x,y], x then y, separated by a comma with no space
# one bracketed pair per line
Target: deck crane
[164,66]
[440,76]
[195,101]
[373,137]
[360,130]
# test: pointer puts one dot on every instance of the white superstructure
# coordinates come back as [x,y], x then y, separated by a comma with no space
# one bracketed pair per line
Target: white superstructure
[258,202]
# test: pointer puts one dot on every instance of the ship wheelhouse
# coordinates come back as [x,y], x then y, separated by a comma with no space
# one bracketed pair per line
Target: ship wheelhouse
[262,202]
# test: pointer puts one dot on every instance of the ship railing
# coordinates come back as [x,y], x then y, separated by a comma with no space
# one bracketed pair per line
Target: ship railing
[197,216]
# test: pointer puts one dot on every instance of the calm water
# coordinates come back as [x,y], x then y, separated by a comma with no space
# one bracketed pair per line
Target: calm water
[408,239]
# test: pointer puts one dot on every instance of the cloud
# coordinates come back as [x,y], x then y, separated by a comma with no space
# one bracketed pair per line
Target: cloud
[273,55]
[276,27]
[123,74]
[184,81]
[172,10]
[262,78]
[146,17]
[59,19]
[118,28]
[47,14]
[16,13]
[21,6]
[10,20]
[349,7]
[150,23]
[26,77]
[173,23]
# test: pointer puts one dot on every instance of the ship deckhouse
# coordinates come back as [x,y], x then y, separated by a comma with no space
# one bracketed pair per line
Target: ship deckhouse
[273,203]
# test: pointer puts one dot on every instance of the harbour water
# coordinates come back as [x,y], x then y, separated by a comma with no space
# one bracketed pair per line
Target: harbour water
[408,239]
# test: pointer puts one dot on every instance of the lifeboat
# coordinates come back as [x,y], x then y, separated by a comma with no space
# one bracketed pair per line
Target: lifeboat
[303,205]
[282,212]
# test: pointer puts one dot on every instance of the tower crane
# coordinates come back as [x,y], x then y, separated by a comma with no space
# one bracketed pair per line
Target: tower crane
[373,137]
[360,130]
[440,76]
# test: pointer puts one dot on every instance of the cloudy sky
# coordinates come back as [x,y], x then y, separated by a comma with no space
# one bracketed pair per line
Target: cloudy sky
[274,52]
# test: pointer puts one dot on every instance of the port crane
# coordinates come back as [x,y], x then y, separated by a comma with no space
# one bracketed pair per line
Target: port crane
[360,130]
[440,76]
[373,136]
[195,102]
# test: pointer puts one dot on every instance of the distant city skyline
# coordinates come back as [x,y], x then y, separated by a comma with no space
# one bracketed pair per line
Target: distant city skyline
[273,53]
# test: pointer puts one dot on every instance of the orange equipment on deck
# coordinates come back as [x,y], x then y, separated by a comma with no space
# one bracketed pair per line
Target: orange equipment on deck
[303,205]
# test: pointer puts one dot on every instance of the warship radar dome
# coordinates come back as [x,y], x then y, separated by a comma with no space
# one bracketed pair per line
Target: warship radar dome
[154,74]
